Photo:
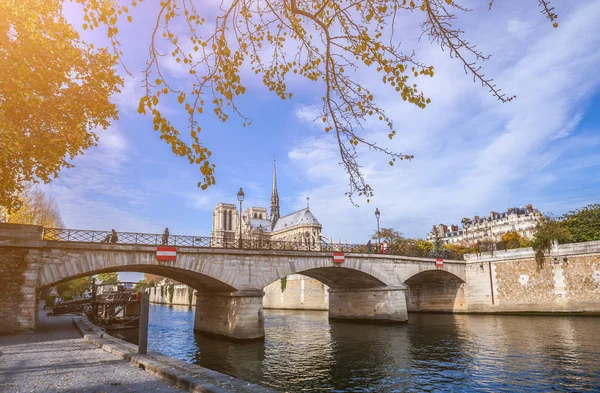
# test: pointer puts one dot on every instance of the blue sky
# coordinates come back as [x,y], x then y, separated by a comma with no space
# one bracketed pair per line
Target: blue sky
[472,153]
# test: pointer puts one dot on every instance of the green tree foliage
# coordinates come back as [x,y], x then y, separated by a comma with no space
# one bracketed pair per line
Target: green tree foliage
[171,290]
[283,284]
[190,295]
[438,242]
[140,285]
[74,288]
[108,278]
[547,231]
[583,224]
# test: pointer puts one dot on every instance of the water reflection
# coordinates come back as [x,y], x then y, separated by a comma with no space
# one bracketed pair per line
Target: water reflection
[303,351]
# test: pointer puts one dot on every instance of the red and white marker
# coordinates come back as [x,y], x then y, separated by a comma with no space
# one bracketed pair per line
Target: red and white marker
[165,253]
[338,257]
[439,262]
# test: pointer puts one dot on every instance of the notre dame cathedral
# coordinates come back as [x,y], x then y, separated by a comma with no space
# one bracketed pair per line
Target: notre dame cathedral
[260,226]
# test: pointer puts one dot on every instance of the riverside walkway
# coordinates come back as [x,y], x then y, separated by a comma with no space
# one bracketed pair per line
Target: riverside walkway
[56,359]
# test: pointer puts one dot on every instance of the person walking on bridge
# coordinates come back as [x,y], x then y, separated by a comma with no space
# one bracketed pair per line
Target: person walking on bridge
[165,237]
[113,236]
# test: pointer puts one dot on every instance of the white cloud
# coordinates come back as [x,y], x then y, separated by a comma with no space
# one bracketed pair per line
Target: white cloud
[473,154]
[96,194]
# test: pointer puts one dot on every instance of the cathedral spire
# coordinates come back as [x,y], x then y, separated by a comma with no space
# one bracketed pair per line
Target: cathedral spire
[274,197]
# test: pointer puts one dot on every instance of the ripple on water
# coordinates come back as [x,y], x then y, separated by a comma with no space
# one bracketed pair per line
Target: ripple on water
[304,351]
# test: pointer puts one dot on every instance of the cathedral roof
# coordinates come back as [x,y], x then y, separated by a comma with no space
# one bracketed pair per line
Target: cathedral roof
[255,223]
[301,217]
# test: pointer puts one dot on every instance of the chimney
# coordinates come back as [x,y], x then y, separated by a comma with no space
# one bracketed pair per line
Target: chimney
[529,207]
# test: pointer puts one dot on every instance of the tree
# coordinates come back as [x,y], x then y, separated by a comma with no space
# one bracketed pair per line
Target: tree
[74,288]
[458,249]
[438,242]
[424,246]
[321,41]
[152,279]
[394,239]
[547,231]
[583,224]
[388,234]
[55,90]
[108,278]
[36,208]
[140,285]
[513,239]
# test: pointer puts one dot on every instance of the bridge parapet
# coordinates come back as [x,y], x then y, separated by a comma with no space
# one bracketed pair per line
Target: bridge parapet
[134,238]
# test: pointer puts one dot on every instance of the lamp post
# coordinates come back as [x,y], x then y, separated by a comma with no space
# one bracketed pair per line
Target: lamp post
[240,196]
[377,214]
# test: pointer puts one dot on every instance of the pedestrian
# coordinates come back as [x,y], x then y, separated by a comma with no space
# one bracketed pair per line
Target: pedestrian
[106,239]
[114,237]
[165,237]
[384,247]
[369,246]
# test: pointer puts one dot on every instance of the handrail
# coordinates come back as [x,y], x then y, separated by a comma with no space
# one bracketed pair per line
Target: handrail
[258,243]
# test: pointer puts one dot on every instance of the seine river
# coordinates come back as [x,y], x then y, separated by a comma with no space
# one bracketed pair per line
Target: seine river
[304,351]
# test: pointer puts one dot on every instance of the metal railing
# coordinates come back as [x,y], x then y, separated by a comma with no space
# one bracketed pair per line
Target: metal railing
[149,239]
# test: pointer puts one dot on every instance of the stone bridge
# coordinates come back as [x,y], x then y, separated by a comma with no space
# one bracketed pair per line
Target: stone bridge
[229,282]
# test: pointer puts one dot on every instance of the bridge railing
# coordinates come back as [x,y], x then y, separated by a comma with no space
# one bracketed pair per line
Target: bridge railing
[150,239]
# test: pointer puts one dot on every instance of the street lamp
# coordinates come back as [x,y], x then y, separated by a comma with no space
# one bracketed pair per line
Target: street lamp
[240,196]
[377,214]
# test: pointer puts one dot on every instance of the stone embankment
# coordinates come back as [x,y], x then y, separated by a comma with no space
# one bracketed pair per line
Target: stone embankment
[186,376]
[512,281]
[56,358]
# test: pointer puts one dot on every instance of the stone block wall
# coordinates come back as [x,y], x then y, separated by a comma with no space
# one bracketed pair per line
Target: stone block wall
[435,293]
[181,295]
[237,315]
[12,268]
[567,281]
[301,293]
[19,265]
[377,304]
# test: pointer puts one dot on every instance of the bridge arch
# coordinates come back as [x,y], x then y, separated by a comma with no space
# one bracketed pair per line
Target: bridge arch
[435,291]
[353,273]
[197,281]
[61,265]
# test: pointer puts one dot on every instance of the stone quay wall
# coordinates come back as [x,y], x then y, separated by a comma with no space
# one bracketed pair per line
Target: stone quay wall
[301,293]
[160,294]
[567,281]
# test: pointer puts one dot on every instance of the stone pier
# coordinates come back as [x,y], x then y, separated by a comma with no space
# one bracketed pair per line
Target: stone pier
[18,277]
[380,305]
[236,315]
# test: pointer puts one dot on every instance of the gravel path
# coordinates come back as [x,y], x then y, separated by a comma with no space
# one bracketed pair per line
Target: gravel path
[56,359]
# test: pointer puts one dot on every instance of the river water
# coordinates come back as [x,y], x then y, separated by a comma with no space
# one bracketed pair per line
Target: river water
[304,351]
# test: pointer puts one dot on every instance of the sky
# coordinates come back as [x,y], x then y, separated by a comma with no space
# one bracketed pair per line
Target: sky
[472,153]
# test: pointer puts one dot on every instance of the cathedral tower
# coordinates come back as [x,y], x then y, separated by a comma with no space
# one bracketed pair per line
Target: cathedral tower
[274,198]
